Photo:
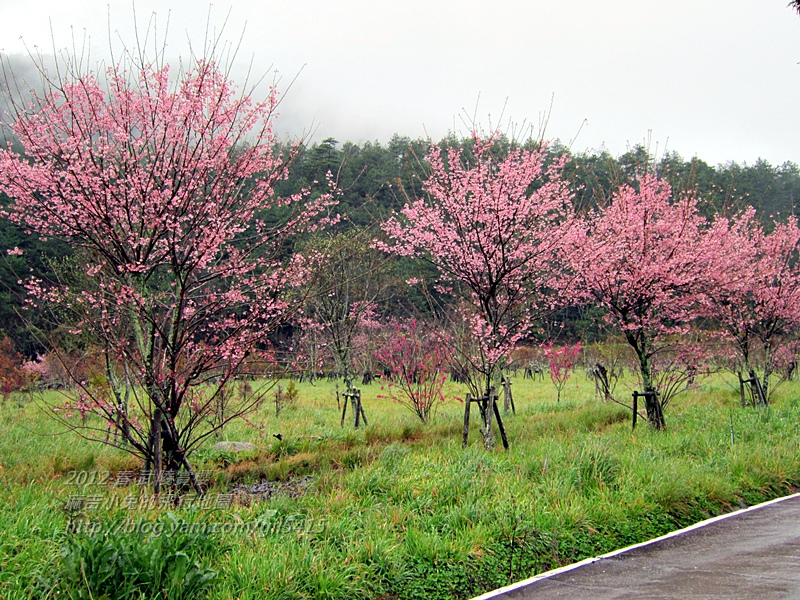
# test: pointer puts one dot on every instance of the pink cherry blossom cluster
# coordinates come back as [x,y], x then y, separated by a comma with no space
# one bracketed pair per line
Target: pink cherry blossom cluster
[493,228]
[562,361]
[756,293]
[415,360]
[657,266]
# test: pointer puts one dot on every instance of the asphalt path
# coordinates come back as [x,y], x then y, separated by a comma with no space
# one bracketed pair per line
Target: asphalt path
[750,554]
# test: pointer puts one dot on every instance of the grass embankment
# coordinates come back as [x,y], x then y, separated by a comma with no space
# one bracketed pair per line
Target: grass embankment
[393,510]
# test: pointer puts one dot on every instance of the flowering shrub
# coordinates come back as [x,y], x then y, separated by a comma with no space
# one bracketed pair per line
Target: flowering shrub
[678,366]
[415,361]
[562,363]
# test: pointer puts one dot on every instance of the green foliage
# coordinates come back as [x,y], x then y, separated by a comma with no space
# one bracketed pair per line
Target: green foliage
[118,565]
[36,261]
[396,510]
[596,468]
[284,398]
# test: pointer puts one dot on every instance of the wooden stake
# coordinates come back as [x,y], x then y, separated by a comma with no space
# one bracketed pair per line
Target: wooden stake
[467,402]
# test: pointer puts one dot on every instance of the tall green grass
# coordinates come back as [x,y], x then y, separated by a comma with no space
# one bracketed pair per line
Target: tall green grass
[395,509]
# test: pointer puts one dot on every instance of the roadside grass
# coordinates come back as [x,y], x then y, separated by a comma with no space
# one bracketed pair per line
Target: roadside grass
[395,509]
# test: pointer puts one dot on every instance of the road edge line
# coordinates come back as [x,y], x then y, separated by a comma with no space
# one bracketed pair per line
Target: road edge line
[588,561]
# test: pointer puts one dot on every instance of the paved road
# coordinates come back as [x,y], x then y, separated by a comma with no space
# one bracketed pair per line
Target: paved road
[752,554]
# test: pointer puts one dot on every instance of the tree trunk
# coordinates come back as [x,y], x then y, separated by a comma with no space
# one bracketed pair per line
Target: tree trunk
[488,436]
[158,455]
[508,400]
[655,413]
[767,373]
[741,389]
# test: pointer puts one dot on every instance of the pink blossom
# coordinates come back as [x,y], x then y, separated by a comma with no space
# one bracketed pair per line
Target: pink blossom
[647,259]
[562,362]
[415,360]
[493,228]
[155,175]
[756,291]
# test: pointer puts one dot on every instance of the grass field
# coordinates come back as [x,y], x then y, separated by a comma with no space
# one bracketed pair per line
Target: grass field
[392,510]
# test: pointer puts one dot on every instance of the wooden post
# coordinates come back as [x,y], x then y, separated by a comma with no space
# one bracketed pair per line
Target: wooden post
[655,415]
[659,412]
[488,407]
[741,389]
[756,391]
[488,438]
[344,407]
[359,408]
[759,390]
[356,404]
[500,424]
[508,399]
[467,402]
[353,395]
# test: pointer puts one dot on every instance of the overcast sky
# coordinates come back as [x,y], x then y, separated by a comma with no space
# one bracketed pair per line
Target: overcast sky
[719,79]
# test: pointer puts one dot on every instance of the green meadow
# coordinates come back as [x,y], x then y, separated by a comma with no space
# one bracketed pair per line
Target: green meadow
[395,509]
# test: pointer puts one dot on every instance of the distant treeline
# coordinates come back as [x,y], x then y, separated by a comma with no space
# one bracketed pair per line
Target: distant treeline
[375,178]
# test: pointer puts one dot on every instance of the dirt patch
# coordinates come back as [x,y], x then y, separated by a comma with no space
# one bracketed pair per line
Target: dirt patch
[294,488]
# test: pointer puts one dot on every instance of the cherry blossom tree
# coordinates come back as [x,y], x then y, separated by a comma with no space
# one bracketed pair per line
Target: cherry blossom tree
[647,259]
[345,291]
[562,363]
[756,293]
[679,367]
[164,183]
[492,227]
[415,360]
